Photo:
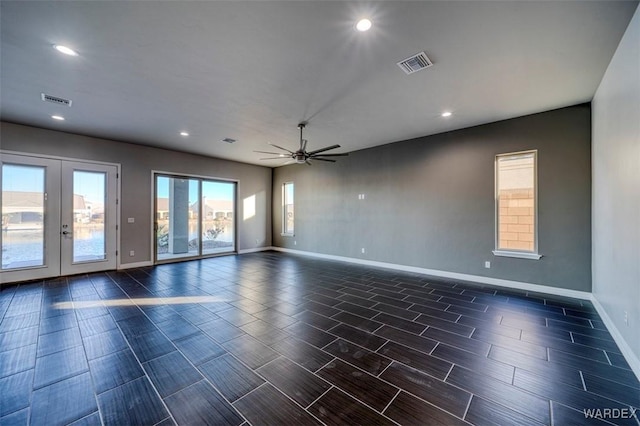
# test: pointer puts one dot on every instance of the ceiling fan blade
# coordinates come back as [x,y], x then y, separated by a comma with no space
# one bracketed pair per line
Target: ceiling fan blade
[323,159]
[272,158]
[308,162]
[267,152]
[324,149]
[332,155]
[279,147]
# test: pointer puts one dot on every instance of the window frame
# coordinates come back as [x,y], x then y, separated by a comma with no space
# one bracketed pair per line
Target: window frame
[285,231]
[521,254]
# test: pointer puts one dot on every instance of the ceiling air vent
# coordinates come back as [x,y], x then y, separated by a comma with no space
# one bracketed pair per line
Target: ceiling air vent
[415,63]
[228,140]
[55,100]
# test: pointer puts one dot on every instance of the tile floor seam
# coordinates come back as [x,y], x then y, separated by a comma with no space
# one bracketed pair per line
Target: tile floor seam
[332,386]
[466,410]
[391,401]
[283,394]
[365,404]
[606,355]
[584,386]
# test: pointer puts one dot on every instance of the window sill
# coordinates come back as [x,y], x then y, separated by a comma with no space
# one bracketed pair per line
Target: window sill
[286,234]
[517,254]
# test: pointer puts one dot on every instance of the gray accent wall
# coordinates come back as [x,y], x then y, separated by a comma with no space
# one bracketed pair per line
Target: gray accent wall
[616,190]
[429,202]
[137,163]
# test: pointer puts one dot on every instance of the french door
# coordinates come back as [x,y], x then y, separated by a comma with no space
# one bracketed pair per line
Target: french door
[58,217]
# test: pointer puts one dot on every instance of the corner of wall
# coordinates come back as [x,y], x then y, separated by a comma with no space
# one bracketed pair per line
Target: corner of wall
[615,200]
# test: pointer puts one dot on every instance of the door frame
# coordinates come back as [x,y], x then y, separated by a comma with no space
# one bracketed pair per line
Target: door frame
[153,248]
[86,161]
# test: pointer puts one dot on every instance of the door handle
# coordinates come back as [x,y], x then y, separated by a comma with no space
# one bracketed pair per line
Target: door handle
[66,233]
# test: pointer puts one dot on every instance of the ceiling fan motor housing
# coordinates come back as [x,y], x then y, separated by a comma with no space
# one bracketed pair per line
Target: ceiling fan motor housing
[302,156]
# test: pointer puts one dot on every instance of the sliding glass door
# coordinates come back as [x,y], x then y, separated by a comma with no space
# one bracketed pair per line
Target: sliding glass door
[194,217]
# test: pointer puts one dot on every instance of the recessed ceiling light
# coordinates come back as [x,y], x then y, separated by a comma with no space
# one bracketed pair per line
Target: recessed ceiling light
[64,49]
[184,133]
[363,25]
[446,114]
[58,117]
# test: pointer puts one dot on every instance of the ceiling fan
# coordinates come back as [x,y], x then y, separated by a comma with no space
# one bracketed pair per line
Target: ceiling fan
[302,156]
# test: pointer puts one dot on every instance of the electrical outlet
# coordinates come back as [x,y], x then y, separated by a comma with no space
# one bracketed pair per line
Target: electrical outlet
[487,264]
[626,318]
[131,220]
[132,253]
[363,250]
[295,243]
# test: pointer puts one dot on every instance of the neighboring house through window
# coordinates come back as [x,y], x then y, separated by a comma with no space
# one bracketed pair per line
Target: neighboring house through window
[287,208]
[516,205]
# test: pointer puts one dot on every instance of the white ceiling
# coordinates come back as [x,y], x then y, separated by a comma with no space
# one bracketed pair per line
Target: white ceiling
[251,71]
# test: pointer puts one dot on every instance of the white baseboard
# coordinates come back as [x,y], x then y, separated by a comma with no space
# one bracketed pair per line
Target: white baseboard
[254,250]
[627,352]
[446,274]
[135,265]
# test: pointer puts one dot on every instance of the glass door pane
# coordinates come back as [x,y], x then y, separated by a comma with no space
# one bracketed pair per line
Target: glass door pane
[177,217]
[89,200]
[23,203]
[88,228]
[30,205]
[218,215]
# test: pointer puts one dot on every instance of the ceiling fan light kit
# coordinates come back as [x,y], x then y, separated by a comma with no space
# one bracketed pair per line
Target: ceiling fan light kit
[302,156]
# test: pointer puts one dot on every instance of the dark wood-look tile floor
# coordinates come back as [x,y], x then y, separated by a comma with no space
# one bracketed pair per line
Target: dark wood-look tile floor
[272,338]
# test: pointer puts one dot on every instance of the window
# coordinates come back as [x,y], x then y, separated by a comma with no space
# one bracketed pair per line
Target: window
[516,205]
[287,208]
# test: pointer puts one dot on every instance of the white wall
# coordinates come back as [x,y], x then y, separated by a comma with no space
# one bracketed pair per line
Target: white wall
[616,192]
